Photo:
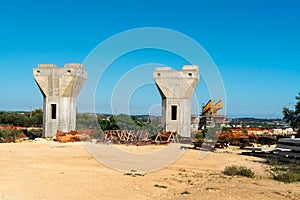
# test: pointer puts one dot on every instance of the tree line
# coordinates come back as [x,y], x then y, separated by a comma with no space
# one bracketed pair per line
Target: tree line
[116,122]
[84,121]
[31,119]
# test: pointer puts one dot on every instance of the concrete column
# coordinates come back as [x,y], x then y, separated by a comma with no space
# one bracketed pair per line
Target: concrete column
[60,87]
[176,88]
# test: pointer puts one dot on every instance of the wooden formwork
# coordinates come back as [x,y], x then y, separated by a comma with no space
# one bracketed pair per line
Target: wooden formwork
[111,134]
[140,137]
[166,137]
[125,136]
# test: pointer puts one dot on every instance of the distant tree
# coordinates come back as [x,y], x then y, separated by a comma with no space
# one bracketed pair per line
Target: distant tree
[86,121]
[20,120]
[6,118]
[36,112]
[36,118]
[293,116]
[107,123]
[127,122]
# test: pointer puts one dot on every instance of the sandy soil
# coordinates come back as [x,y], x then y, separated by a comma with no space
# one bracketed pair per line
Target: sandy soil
[67,171]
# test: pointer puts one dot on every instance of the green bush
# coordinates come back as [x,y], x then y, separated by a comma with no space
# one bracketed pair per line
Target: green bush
[231,170]
[277,168]
[246,172]
[199,137]
[8,135]
[238,171]
[287,174]
[287,177]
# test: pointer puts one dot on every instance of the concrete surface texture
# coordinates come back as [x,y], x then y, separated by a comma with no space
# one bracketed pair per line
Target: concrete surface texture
[176,88]
[60,87]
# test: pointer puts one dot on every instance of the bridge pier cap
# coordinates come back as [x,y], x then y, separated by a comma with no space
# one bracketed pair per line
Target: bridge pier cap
[176,88]
[59,87]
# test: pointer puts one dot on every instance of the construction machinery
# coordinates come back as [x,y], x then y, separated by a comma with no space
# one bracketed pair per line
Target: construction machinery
[211,108]
[210,116]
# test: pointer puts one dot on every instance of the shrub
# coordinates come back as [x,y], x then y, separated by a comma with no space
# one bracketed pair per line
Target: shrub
[287,174]
[231,170]
[238,171]
[287,177]
[199,137]
[9,135]
[246,172]
[277,167]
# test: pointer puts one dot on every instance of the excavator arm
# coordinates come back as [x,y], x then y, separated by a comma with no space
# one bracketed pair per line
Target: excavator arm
[212,108]
[207,108]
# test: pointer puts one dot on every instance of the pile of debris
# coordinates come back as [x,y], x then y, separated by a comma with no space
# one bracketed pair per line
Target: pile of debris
[71,136]
[74,136]
[237,135]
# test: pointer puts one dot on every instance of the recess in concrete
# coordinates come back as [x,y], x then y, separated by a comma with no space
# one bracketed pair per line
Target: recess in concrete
[60,87]
[176,88]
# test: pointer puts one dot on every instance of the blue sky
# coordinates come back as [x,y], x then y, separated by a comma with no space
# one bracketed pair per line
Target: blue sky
[254,43]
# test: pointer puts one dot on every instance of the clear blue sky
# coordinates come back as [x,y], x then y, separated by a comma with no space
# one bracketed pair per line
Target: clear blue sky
[254,43]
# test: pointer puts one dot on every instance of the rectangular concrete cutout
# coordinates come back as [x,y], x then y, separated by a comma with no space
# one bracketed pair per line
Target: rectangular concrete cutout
[53,111]
[174,112]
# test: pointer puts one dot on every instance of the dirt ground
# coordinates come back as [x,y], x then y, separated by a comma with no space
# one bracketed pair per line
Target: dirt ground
[49,170]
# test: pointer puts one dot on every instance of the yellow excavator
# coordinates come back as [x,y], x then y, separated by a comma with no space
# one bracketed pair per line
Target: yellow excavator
[211,108]
[210,114]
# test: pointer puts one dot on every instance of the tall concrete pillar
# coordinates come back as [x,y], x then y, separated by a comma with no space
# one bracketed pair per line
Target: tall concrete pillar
[176,88]
[60,87]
